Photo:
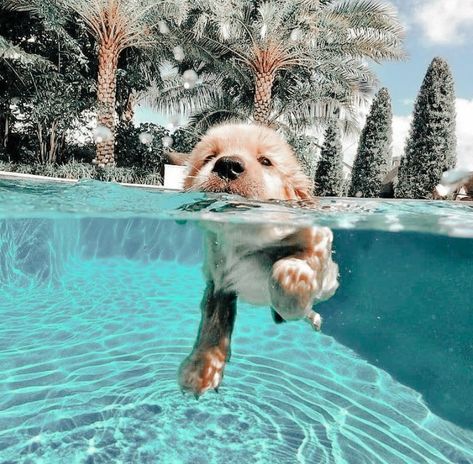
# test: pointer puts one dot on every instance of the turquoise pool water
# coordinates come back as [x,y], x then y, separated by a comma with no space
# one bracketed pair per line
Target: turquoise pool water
[100,291]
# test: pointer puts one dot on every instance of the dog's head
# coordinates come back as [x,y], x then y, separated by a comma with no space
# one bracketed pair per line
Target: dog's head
[247,160]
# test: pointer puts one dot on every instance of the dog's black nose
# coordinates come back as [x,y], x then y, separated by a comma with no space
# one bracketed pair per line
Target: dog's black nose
[229,167]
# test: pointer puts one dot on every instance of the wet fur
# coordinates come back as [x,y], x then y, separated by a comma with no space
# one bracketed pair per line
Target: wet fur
[287,268]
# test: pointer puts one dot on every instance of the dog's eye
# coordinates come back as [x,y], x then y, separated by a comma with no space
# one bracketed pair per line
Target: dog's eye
[210,157]
[265,161]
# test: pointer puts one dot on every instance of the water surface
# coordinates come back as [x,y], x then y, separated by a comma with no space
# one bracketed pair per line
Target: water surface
[100,303]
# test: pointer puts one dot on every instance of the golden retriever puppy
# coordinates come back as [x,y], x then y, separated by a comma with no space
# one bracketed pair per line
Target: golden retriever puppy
[286,267]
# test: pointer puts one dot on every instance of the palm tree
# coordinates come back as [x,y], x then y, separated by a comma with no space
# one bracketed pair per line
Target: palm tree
[116,25]
[303,59]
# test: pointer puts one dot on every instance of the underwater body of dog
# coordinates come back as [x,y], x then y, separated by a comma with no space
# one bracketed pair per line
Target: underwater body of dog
[286,267]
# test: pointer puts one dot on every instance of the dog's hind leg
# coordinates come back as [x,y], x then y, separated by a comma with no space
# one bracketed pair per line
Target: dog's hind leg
[203,369]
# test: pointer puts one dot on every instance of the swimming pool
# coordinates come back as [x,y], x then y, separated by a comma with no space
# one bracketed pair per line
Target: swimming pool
[100,290]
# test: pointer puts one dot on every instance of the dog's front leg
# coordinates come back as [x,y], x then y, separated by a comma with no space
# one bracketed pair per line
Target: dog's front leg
[309,275]
[203,368]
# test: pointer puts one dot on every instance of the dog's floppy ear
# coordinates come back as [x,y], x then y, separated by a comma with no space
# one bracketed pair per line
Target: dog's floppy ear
[302,187]
[179,159]
[304,193]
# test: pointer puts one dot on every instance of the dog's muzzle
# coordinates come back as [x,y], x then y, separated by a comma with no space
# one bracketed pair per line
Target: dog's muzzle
[229,167]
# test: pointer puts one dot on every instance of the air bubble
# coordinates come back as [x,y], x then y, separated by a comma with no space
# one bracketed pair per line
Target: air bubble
[146,138]
[264,30]
[173,124]
[178,53]
[225,31]
[396,227]
[296,35]
[102,134]
[167,142]
[163,27]
[189,78]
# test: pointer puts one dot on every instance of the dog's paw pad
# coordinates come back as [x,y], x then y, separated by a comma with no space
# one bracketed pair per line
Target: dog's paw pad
[202,371]
[295,276]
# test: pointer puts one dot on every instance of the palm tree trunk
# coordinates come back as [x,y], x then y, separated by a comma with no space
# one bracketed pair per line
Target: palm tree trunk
[52,155]
[106,97]
[129,111]
[263,87]
[42,144]
[5,116]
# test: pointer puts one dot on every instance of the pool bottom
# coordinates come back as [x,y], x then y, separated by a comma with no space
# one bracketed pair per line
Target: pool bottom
[89,375]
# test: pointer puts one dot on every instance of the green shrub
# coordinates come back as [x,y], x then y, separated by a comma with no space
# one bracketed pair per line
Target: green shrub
[128,175]
[132,152]
[74,153]
[305,147]
[5,166]
[184,140]
[18,167]
[76,170]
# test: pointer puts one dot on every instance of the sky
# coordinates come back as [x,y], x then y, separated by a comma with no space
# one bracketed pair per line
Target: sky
[433,28]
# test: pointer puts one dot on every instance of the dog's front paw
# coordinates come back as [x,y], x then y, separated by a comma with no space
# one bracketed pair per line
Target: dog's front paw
[296,279]
[202,371]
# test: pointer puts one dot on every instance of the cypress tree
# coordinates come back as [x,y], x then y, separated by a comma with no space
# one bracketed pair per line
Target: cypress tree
[431,146]
[329,172]
[374,150]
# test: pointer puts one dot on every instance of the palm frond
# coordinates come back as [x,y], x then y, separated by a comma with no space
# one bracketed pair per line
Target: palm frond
[9,51]
[54,18]
[222,109]
[172,98]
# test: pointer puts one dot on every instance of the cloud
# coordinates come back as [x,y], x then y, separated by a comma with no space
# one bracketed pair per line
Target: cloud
[402,124]
[444,22]
[464,133]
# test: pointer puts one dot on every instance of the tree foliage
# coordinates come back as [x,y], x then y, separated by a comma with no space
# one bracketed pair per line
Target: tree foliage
[45,85]
[374,150]
[329,172]
[48,69]
[141,147]
[306,148]
[116,25]
[286,62]
[292,64]
[431,146]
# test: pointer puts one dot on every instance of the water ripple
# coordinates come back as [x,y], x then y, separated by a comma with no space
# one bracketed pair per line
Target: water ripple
[93,199]
[89,375]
